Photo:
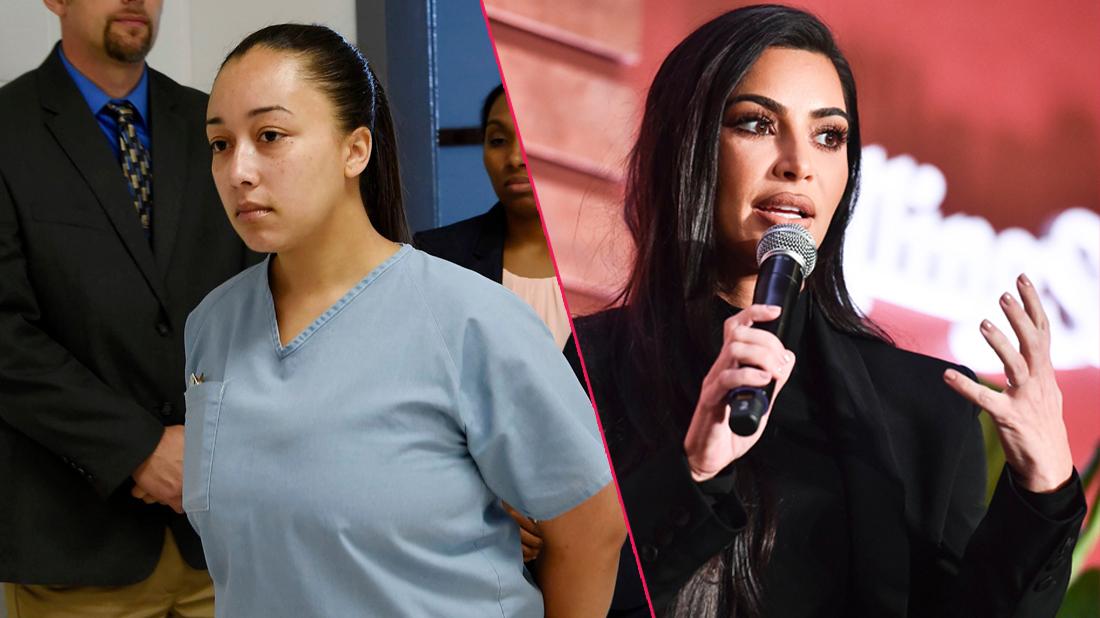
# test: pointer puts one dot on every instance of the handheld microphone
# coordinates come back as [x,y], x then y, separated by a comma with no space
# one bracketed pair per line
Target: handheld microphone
[786,256]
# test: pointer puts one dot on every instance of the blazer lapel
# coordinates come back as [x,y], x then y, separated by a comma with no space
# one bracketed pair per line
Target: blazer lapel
[875,493]
[489,248]
[170,157]
[78,134]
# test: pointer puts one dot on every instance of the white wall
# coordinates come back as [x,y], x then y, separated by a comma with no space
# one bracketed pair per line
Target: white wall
[194,35]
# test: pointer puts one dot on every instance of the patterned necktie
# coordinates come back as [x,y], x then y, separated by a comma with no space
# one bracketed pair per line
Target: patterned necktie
[136,164]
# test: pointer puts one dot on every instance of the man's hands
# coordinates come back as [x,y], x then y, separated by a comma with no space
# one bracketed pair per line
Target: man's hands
[529,535]
[160,477]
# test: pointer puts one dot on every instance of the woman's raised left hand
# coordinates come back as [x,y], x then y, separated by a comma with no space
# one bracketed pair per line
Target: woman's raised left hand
[1028,413]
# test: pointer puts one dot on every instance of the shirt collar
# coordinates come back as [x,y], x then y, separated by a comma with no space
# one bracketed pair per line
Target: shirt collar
[96,98]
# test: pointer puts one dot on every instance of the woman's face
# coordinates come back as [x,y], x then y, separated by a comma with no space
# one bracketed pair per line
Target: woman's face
[783,156]
[280,162]
[504,161]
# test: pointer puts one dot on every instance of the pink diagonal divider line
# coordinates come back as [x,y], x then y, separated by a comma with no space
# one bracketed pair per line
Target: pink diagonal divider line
[569,314]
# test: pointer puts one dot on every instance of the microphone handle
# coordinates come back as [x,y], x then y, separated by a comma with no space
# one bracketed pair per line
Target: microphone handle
[778,283]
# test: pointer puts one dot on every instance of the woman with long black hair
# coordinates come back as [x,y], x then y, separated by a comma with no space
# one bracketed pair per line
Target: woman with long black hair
[861,494]
[357,409]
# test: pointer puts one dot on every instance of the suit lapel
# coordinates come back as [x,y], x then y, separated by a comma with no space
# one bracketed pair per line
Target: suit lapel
[170,141]
[78,134]
[875,493]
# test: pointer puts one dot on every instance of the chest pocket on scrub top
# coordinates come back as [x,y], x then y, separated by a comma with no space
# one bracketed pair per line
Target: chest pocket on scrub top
[204,404]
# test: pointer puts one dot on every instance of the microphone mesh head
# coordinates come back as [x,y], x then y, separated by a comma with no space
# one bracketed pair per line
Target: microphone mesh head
[788,239]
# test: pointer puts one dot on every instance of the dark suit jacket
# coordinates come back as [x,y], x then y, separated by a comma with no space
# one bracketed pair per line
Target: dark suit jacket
[476,243]
[911,454]
[91,325]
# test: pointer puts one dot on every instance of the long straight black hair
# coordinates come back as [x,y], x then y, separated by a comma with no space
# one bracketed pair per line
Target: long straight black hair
[345,76]
[670,200]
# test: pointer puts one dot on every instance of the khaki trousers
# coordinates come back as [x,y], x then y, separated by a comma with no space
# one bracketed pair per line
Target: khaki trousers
[174,590]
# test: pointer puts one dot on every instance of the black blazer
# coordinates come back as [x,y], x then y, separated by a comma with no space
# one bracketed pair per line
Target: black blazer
[476,243]
[923,543]
[91,325]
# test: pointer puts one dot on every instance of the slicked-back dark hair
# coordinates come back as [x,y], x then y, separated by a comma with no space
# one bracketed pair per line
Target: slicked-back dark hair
[346,78]
[670,201]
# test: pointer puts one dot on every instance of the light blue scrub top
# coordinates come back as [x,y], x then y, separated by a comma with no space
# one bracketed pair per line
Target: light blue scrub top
[359,470]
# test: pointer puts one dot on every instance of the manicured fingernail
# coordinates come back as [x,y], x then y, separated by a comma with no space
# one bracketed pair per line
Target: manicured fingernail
[1006,298]
[1024,280]
[987,325]
[949,375]
[788,357]
[774,308]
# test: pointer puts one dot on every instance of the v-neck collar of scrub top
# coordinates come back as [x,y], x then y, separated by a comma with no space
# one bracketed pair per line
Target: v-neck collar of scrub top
[300,339]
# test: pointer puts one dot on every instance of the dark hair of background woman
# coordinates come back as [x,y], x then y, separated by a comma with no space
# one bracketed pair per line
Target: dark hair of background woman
[671,193]
[487,105]
[345,76]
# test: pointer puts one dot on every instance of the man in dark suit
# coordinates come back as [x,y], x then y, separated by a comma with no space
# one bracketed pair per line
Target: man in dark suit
[110,233]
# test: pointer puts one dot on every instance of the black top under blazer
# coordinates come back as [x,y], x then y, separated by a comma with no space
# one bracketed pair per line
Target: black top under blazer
[910,451]
[91,325]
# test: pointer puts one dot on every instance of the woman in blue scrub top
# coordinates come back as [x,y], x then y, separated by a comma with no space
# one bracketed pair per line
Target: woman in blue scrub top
[357,409]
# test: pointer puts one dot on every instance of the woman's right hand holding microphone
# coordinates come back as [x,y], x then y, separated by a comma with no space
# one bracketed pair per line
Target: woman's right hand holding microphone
[749,357]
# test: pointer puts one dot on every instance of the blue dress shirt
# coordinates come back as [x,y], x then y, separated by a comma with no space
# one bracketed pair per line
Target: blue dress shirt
[98,100]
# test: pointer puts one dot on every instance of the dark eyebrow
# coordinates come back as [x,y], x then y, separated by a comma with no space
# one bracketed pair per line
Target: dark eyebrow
[495,123]
[778,108]
[252,113]
[768,104]
[829,111]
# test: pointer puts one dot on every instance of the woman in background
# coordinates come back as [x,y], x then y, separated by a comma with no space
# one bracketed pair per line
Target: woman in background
[507,243]
[357,409]
[862,492]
